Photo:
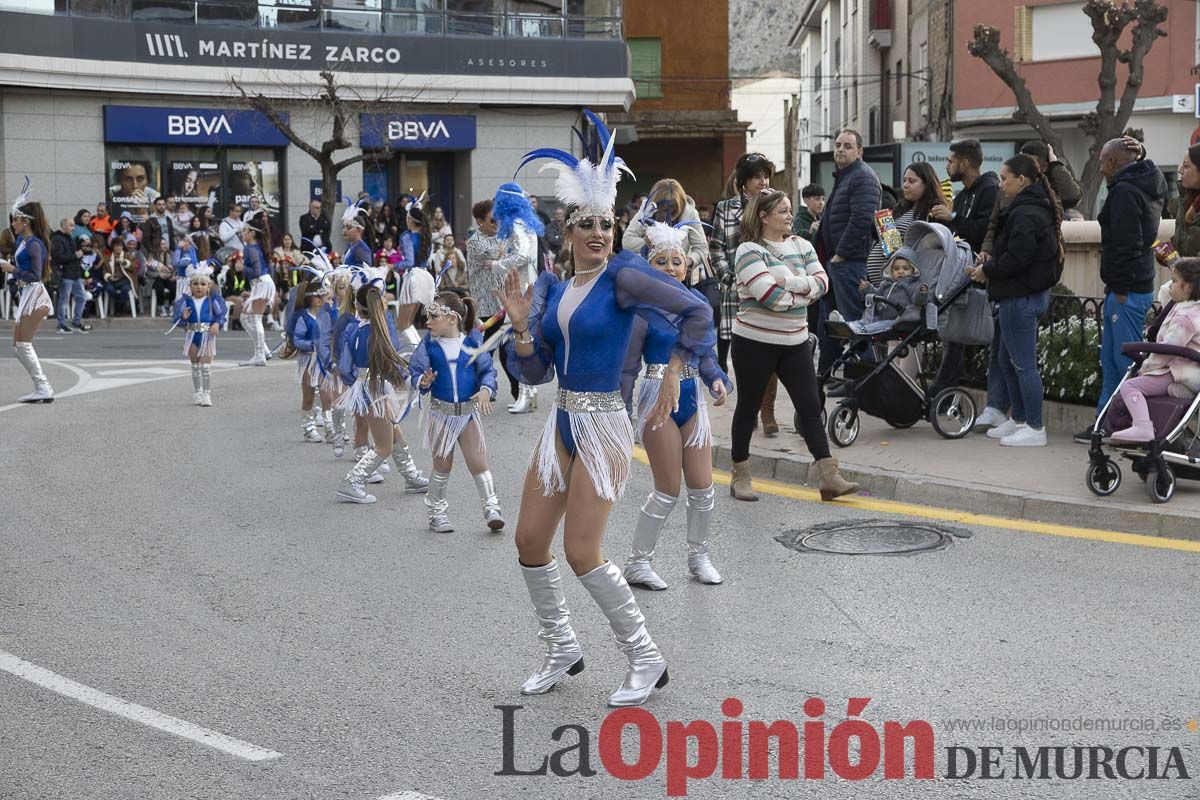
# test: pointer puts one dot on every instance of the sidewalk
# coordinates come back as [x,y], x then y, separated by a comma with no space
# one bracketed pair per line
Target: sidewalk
[972,474]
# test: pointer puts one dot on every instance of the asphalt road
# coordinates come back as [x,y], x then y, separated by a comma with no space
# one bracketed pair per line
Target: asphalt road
[193,561]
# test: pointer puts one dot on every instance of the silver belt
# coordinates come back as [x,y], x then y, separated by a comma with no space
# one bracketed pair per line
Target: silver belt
[589,402]
[453,409]
[659,371]
[198,327]
[26,284]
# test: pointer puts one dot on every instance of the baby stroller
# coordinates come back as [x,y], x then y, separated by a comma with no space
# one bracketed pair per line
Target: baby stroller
[1173,454]
[893,385]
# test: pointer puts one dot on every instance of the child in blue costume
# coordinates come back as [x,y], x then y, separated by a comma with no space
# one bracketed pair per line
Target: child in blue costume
[30,268]
[202,312]
[312,324]
[685,441]
[461,388]
[579,331]
[262,288]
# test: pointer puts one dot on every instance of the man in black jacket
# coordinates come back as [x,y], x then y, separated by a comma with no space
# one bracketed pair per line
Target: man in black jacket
[968,220]
[1128,229]
[314,225]
[68,257]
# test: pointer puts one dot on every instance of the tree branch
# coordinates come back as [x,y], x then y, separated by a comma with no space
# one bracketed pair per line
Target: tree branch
[986,47]
[341,165]
[264,106]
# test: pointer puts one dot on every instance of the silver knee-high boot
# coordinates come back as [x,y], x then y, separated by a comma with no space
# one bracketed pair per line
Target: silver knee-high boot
[647,667]
[415,481]
[339,433]
[377,475]
[197,386]
[351,490]
[564,656]
[253,325]
[42,392]
[491,503]
[308,426]
[700,504]
[651,520]
[206,384]
[435,502]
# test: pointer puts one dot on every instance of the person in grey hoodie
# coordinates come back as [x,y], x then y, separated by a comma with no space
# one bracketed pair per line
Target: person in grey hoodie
[900,289]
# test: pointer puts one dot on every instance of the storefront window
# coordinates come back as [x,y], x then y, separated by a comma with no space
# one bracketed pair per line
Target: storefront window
[414,24]
[193,177]
[237,14]
[375,179]
[353,21]
[134,179]
[176,11]
[253,176]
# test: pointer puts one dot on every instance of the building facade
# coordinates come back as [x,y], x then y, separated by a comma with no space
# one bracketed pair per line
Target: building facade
[1052,47]
[681,125]
[125,100]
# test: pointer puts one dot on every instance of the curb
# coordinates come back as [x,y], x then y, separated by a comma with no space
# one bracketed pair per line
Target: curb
[1091,512]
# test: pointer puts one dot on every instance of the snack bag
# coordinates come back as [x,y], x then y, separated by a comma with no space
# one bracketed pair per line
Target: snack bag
[889,236]
[1165,253]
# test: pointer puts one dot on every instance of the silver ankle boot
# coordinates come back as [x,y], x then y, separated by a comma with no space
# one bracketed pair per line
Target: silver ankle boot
[435,501]
[564,656]
[700,504]
[339,433]
[491,503]
[415,481]
[651,520]
[351,490]
[647,667]
[42,393]
[377,475]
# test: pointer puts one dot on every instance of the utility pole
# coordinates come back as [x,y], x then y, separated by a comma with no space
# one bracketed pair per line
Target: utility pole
[790,144]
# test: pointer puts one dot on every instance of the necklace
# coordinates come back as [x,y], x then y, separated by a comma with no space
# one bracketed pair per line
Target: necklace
[591,271]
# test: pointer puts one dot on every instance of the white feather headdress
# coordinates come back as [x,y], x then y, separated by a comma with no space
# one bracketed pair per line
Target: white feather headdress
[22,199]
[588,183]
[353,215]
[663,238]
[204,270]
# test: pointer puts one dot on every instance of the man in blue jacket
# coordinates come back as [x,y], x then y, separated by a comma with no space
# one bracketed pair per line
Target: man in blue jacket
[846,235]
[1128,229]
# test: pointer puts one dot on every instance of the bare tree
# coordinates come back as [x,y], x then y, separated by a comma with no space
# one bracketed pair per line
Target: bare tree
[1110,21]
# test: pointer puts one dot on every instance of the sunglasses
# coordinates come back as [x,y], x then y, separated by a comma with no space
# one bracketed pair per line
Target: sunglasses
[590,224]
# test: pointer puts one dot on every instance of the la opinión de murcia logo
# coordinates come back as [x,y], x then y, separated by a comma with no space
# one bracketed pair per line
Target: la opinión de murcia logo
[853,750]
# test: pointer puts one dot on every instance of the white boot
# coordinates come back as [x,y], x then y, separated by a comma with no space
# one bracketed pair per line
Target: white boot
[253,325]
[42,392]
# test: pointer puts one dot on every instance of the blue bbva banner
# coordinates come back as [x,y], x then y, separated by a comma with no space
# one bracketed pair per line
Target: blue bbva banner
[195,126]
[417,131]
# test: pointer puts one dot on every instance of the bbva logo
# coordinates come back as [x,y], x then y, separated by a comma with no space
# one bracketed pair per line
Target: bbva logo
[195,125]
[414,129]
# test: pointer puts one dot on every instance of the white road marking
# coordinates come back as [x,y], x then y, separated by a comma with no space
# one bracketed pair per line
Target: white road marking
[86,383]
[144,371]
[132,711]
[408,796]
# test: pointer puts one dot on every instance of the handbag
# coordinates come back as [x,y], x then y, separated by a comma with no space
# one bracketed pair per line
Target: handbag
[968,320]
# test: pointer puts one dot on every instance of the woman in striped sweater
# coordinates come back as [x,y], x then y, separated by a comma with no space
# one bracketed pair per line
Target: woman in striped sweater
[778,277]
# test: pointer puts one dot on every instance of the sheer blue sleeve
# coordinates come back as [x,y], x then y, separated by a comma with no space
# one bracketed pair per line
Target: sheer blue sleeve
[418,362]
[538,367]
[633,359]
[322,344]
[485,368]
[664,301]
[303,339]
[220,308]
[712,374]
[345,358]
[177,311]
[36,252]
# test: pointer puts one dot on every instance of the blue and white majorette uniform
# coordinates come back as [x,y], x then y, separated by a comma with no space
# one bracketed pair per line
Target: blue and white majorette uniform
[262,287]
[29,262]
[358,254]
[461,371]
[580,331]
[197,316]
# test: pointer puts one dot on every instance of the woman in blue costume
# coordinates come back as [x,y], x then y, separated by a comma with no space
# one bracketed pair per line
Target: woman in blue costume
[356,232]
[30,268]
[202,312]
[682,443]
[579,331]
[262,287]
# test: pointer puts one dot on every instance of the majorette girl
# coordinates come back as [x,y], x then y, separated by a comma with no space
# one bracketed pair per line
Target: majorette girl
[311,325]
[262,286]
[202,313]
[30,268]
[579,330]
[460,389]
[682,442]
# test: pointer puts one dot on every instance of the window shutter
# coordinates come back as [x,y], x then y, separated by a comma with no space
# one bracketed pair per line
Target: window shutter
[1022,34]
[645,57]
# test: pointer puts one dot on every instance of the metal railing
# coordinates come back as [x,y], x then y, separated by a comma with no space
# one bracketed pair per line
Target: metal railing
[545,19]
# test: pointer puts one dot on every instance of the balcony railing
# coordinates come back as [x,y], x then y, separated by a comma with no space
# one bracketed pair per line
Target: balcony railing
[546,19]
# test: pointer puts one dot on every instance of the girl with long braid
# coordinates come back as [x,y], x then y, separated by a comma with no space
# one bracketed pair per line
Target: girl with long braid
[30,268]
[262,287]
[684,441]
[579,331]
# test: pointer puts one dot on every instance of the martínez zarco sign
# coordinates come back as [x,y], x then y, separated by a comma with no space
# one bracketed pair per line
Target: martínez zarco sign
[417,131]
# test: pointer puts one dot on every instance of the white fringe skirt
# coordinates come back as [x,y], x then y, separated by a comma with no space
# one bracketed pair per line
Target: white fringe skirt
[360,400]
[308,370]
[648,393]
[182,286]
[34,297]
[603,439]
[263,288]
[332,382]
[442,427]
[207,348]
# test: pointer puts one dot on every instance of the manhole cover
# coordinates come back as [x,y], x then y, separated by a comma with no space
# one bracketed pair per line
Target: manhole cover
[871,537]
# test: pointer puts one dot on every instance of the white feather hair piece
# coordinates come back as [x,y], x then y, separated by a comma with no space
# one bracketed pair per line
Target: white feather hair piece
[353,214]
[662,238]
[204,270]
[588,183]
[22,199]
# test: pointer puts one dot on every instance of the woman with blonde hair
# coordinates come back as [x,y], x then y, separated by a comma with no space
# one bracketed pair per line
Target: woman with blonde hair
[669,204]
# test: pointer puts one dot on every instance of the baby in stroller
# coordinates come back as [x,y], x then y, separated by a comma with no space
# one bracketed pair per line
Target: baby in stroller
[1164,374]
[900,295]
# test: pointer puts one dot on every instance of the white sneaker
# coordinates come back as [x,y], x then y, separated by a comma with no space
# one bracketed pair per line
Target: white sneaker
[198,399]
[1025,436]
[1006,428]
[206,400]
[990,418]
